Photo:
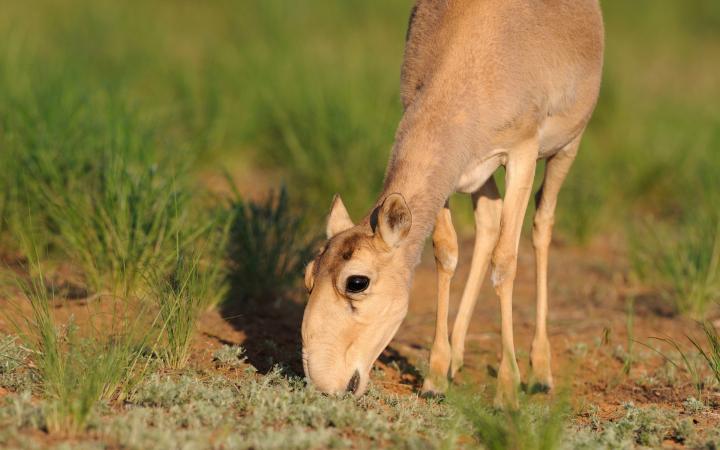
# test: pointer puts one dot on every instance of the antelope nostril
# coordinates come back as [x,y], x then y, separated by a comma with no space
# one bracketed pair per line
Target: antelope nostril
[354,382]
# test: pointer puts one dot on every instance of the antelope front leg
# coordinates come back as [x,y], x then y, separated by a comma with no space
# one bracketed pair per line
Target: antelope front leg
[556,170]
[446,255]
[520,171]
[488,207]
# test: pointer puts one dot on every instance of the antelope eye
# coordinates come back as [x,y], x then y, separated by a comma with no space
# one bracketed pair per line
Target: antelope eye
[357,283]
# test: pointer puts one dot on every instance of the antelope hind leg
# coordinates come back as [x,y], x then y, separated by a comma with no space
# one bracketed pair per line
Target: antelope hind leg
[556,169]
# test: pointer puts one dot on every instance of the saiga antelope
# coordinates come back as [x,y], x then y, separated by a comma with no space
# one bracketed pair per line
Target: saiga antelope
[485,83]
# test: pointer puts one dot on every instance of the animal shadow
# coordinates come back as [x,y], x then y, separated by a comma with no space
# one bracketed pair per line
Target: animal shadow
[272,332]
[407,372]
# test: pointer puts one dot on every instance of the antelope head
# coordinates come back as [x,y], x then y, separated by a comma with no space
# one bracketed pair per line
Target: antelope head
[359,287]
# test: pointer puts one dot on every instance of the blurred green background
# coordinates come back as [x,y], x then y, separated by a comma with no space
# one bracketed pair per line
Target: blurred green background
[306,93]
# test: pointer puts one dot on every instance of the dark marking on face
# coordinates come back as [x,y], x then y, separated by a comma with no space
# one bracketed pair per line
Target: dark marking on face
[354,382]
[338,251]
[349,245]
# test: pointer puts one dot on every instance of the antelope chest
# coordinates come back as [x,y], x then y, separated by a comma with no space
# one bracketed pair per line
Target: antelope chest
[478,172]
[553,135]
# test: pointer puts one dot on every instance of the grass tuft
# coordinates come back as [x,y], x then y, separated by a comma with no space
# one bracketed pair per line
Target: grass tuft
[181,297]
[712,354]
[683,261]
[266,253]
[121,227]
[533,427]
[686,362]
[77,366]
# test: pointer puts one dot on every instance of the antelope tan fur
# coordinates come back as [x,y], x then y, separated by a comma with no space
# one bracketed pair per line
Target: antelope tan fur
[485,83]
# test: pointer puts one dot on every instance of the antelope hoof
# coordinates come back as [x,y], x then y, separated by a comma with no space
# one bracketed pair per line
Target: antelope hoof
[540,384]
[434,386]
[508,387]
[541,379]
[456,363]
[506,398]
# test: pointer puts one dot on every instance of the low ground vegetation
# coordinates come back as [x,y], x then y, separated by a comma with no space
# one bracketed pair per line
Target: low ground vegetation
[242,409]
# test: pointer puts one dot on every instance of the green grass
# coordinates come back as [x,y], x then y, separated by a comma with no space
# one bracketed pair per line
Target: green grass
[683,261]
[536,426]
[181,297]
[711,354]
[267,252]
[650,159]
[691,363]
[98,192]
[77,366]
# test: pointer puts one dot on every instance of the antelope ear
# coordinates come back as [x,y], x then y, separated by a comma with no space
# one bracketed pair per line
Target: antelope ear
[310,276]
[339,219]
[393,220]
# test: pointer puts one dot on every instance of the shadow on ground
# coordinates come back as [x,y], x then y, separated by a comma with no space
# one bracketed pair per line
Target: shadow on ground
[407,373]
[272,332]
[272,337]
